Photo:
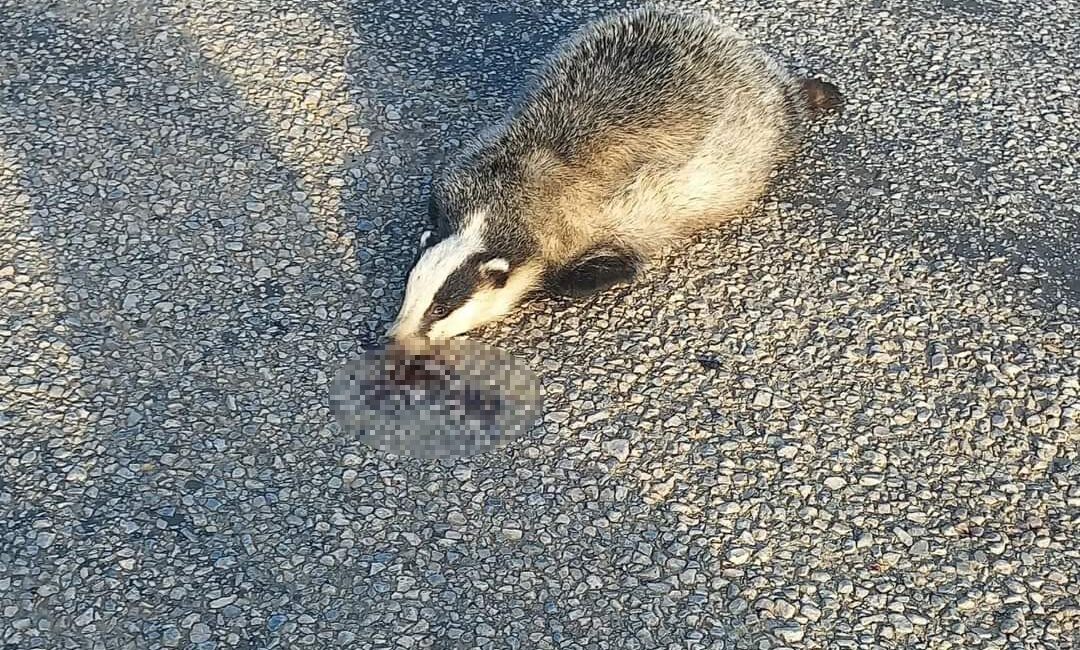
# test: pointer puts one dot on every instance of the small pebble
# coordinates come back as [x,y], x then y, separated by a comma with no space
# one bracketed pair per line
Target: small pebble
[739,556]
[835,482]
[200,632]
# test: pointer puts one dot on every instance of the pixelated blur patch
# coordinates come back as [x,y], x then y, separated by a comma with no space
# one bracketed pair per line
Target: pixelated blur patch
[461,398]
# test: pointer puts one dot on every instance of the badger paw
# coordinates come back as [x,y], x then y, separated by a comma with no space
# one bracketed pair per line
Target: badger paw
[593,272]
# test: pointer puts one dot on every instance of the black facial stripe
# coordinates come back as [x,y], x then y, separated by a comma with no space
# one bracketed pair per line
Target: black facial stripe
[425,327]
[460,286]
[454,292]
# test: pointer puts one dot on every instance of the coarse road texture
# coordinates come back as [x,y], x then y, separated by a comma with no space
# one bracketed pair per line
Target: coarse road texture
[849,420]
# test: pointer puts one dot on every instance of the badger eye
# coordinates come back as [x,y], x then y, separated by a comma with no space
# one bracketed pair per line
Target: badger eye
[439,311]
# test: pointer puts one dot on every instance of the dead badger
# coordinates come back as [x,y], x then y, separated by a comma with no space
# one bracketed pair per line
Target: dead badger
[644,127]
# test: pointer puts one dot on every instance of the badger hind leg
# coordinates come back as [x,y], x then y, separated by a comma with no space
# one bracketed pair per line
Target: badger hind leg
[592,272]
[821,96]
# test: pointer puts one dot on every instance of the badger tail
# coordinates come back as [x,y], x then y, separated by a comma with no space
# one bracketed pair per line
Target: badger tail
[821,96]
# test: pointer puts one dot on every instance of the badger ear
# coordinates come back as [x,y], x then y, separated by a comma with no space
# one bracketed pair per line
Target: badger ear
[497,270]
[496,265]
[425,238]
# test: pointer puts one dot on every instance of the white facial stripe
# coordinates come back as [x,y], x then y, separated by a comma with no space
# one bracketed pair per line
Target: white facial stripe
[428,276]
[430,273]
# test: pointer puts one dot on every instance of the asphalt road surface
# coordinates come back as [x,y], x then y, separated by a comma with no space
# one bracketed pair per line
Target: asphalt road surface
[849,420]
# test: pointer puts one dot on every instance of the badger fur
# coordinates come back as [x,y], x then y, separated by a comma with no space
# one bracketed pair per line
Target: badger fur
[643,128]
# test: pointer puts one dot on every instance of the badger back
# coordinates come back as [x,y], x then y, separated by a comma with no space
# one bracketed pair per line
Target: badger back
[653,83]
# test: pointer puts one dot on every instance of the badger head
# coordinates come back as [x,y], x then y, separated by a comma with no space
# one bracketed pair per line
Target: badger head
[456,285]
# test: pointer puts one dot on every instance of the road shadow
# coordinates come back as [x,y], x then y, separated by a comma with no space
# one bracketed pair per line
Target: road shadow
[165,325]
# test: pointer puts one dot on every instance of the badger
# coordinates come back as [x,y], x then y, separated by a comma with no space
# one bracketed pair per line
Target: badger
[641,129]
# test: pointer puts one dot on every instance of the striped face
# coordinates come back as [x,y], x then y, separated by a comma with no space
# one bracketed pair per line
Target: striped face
[456,286]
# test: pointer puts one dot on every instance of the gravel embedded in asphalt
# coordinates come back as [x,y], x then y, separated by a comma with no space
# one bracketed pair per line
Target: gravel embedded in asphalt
[849,420]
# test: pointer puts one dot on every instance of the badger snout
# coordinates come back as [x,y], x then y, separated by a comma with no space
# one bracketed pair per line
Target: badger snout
[410,343]
[400,338]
